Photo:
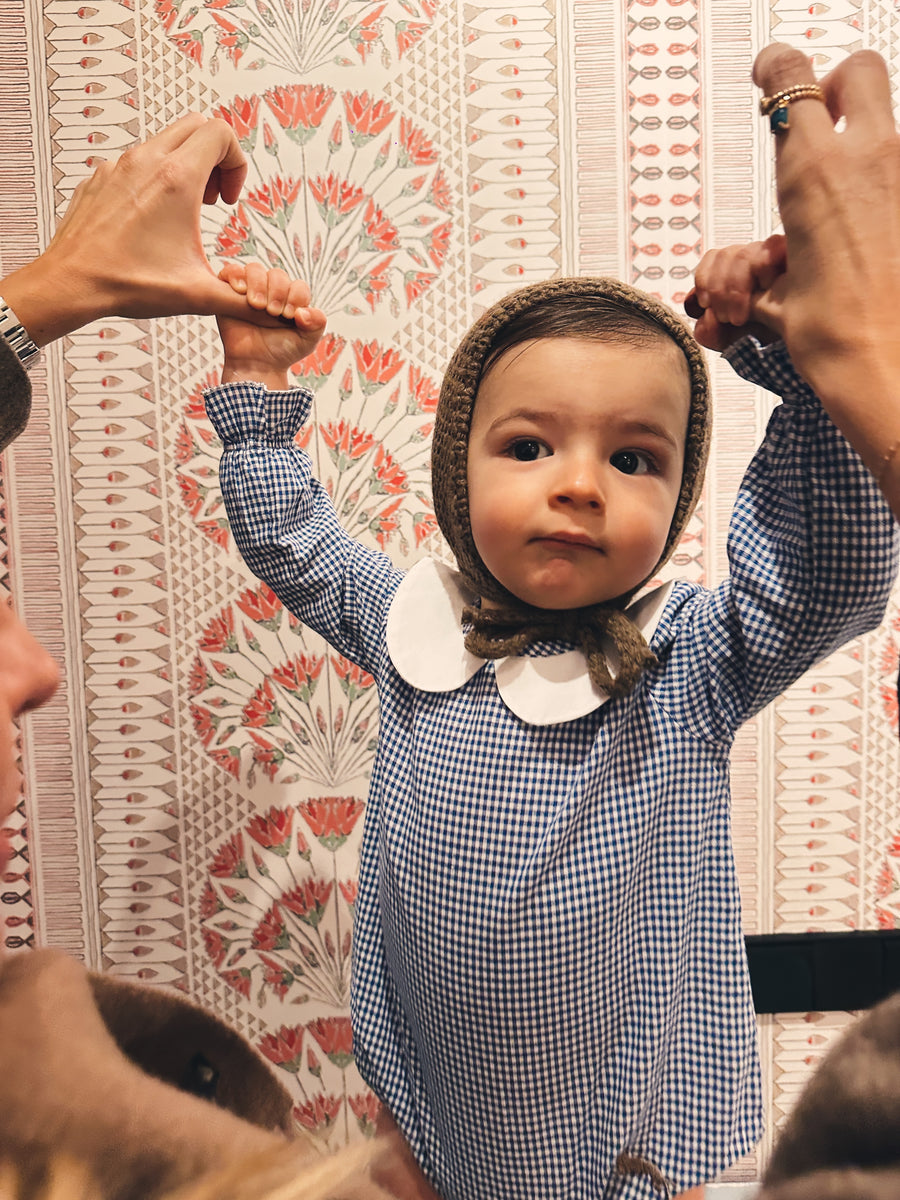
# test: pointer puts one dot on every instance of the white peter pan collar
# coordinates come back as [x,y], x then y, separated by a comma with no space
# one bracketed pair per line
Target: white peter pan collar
[426,643]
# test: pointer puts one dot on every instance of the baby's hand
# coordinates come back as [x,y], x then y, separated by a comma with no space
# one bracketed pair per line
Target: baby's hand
[731,287]
[263,351]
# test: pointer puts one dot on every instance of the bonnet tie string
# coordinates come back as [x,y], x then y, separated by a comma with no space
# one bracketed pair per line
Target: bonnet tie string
[506,632]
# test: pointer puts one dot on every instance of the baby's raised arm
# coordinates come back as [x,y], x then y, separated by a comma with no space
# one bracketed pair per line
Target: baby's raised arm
[727,284]
[262,353]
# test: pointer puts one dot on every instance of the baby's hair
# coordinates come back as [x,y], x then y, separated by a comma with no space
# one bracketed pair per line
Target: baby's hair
[593,318]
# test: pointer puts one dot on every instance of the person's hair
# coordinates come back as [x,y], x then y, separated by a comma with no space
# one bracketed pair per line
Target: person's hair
[591,318]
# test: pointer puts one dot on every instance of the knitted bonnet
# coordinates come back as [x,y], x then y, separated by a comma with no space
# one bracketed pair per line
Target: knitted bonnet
[510,628]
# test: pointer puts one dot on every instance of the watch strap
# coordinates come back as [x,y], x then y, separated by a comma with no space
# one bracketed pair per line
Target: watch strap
[16,336]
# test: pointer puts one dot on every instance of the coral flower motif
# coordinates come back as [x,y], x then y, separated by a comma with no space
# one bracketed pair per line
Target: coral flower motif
[375,283]
[414,147]
[243,117]
[271,933]
[335,198]
[219,634]
[195,406]
[320,364]
[185,446]
[318,1114]
[345,443]
[284,1048]
[366,116]
[424,526]
[167,13]
[415,283]
[408,33]
[389,477]
[386,523]
[366,1108]
[199,679]
[364,35]
[349,890]
[216,531]
[229,758]
[375,365]
[261,710]
[335,1037]
[230,38]
[352,678]
[210,904]
[190,44]
[267,756]
[275,200]
[429,8]
[440,241]
[379,232]
[300,675]
[441,195]
[228,862]
[300,108]
[216,947]
[261,605]
[272,830]
[236,237]
[424,392]
[308,900]
[191,493]
[205,725]
[239,980]
[278,978]
[332,818]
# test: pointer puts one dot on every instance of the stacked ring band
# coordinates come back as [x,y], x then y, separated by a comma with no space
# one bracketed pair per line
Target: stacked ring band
[776,106]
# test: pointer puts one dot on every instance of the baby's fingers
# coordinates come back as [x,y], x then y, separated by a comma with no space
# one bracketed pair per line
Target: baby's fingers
[235,275]
[725,281]
[310,324]
[297,298]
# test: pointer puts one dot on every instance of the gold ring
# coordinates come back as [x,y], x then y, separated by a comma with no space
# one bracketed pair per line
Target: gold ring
[776,106]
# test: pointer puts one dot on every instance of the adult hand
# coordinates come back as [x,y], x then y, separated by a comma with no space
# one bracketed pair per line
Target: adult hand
[839,198]
[835,303]
[129,244]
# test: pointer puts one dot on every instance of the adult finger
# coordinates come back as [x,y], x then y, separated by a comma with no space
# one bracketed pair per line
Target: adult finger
[778,67]
[859,88]
[213,153]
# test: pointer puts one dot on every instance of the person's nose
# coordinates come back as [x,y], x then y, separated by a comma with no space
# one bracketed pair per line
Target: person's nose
[580,482]
[28,674]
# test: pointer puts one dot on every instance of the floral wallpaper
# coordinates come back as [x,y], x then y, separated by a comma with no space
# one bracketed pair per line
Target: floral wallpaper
[195,794]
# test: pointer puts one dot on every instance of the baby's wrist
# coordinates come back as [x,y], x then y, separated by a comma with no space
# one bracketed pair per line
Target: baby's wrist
[240,371]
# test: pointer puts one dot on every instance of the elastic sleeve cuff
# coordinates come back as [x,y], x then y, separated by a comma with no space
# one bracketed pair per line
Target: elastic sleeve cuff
[769,367]
[243,412]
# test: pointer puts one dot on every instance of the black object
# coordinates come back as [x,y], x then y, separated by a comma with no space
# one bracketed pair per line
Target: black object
[200,1078]
[823,972]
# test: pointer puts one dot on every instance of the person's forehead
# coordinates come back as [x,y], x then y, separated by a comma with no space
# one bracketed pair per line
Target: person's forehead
[656,360]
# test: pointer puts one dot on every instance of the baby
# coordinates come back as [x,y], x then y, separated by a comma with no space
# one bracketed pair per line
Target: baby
[550,992]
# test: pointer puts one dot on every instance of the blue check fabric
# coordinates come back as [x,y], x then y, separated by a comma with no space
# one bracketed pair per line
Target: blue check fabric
[550,990]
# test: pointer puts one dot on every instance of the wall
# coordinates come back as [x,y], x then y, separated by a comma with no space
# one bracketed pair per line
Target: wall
[194,795]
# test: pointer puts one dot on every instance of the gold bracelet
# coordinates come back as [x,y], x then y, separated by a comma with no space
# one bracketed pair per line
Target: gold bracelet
[886,460]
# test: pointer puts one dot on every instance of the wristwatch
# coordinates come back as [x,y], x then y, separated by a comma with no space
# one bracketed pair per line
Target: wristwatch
[16,335]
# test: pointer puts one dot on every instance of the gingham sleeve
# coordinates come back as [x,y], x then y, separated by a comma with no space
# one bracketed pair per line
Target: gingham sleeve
[285,526]
[812,551]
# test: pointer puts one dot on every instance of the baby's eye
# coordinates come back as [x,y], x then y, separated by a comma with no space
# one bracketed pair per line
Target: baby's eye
[528,449]
[632,462]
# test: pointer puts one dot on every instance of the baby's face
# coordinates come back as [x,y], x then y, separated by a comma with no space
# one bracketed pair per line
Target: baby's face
[575,460]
